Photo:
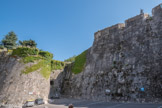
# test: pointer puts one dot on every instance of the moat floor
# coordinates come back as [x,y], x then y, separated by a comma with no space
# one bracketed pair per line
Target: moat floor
[63,103]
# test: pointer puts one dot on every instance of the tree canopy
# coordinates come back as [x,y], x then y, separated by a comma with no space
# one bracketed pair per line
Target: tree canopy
[30,43]
[9,41]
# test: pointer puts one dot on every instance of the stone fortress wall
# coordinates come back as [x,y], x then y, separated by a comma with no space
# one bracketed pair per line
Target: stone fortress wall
[123,64]
[129,22]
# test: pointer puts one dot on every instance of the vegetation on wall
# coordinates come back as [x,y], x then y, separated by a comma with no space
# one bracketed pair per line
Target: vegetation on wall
[43,65]
[57,65]
[46,55]
[43,60]
[31,59]
[71,59]
[25,51]
[79,63]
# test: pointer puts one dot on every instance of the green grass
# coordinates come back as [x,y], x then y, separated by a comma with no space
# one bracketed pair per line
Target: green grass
[44,65]
[31,55]
[46,71]
[31,59]
[79,63]
[24,51]
[71,59]
[46,55]
[57,65]
[33,67]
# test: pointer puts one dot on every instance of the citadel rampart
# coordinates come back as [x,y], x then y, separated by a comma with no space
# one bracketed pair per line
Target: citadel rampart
[128,23]
[124,63]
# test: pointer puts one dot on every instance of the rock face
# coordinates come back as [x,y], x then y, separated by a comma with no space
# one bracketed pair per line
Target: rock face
[55,83]
[124,63]
[16,87]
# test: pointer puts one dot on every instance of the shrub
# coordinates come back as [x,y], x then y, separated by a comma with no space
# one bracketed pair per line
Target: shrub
[24,51]
[150,18]
[30,43]
[30,59]
[46,55]
[79,63]
[1,47]
[32,55]
[9,52]
[57,65]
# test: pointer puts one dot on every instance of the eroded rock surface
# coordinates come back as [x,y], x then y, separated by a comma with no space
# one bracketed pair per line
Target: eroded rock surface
[55,83]
[16,87]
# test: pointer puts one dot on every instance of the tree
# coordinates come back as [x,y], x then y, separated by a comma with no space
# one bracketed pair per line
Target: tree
[9,41]
[30,43]
[1,45]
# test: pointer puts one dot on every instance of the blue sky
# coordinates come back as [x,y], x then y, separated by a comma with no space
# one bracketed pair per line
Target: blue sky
[66,27]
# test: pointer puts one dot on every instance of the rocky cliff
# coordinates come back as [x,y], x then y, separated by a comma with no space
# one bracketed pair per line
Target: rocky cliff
[55,83]
[17,87]
[124,63]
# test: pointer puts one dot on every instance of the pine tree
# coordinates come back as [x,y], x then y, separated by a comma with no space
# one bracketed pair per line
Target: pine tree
[9,41]
[30,43]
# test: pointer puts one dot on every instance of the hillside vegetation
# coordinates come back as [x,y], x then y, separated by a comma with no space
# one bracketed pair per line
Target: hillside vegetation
[43,60]
[29,53]
[79,63]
